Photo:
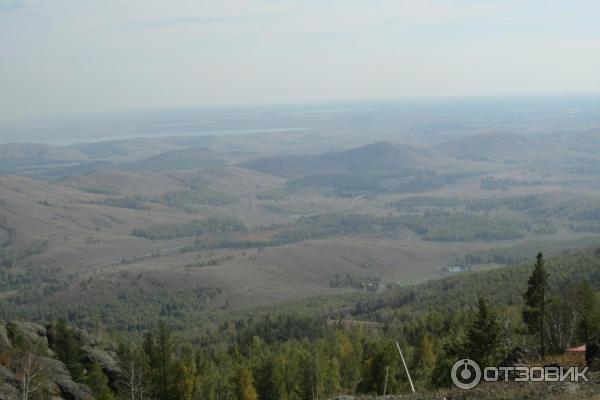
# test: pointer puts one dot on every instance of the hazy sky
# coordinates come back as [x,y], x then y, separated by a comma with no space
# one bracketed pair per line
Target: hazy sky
[64,56]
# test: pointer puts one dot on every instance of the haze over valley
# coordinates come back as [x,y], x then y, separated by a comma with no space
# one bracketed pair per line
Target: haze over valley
[299,200]
[295,213]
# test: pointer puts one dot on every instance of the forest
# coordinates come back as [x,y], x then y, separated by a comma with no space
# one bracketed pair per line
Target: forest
[300,351]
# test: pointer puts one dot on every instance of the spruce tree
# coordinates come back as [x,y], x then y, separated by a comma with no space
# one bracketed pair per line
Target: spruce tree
[67,348]
[158,347]
[483,342]
[535,301]
[165,347]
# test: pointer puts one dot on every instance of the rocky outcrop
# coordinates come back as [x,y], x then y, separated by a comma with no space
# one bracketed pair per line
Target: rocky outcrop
[33,333]
[103,353]
[62,382]
[58,383]
[516,358]
[8,385]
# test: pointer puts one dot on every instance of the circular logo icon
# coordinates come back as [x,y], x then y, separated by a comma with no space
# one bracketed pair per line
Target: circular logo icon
[465,374]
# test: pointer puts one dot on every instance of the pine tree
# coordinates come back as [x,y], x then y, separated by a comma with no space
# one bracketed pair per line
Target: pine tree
[163,338]
[67,348]
[483,341]
[158,347]
[535,301]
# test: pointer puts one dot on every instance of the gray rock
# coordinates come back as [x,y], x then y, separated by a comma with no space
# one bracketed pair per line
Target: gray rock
[107,361]
[34,333]
[9,392]
[66,388]
[103,353]
[86,339]
[515,358]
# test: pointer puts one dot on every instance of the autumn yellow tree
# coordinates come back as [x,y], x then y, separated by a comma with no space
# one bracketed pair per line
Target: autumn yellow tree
[186,379]
[245,385]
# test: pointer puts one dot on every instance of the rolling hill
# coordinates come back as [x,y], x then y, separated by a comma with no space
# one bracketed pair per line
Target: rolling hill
[506,148]
[376,157]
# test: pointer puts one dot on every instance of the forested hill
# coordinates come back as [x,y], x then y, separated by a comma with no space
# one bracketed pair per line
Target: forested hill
[502,287]
[324,347]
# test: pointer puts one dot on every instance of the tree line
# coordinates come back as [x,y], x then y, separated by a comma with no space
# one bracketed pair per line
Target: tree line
[296,356]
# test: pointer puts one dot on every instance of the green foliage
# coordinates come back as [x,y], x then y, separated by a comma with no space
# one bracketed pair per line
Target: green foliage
[158,346]
[345,182]
[67,348]
[352,183]
[524,251]
[287,353]
[183,198]
[450,227]
[502,286]
[133,202]
[135,370]
[571,316]
[425,358]
[378,357]
[328,225]
[483,338]
[520,203]
[245,384]
[98,382]
[209,226]
[185,377]
[590,312]
[412,204]
[272,194]
[535,300]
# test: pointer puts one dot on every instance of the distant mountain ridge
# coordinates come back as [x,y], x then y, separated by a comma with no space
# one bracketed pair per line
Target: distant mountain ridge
[503,147]
[379,156]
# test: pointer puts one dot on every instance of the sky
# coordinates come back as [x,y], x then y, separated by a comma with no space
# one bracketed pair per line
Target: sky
[60,57]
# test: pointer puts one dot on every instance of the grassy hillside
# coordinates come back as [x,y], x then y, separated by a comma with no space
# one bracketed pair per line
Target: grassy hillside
[376,157]
[505,148]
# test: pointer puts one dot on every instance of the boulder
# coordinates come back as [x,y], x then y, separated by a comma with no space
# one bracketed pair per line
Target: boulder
[66,388]
[515,358]
[9,392]
[108,362]
[34,333]
[103,353]
[8,385]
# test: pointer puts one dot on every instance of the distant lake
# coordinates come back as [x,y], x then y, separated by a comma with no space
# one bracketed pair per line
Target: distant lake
[66,140]
[383,118]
